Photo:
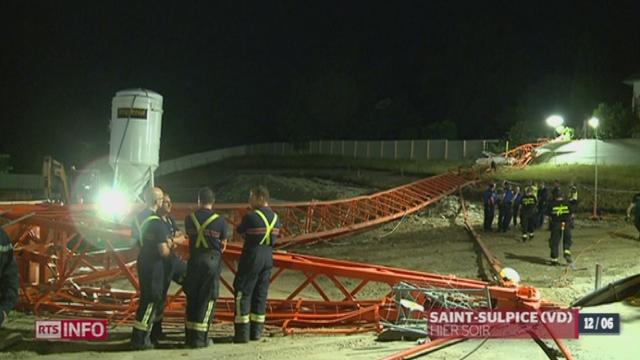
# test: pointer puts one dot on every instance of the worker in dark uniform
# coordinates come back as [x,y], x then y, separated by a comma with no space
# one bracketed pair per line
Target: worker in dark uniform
[573,202]
[174,268]
[498,204]
[543,203]
[560,220]
[155,245]
[534,188]
[207,233]
[260,228]
[528,208]
[635,204]
[555,191]
[488,200]
[8,277]
[507,208]
[517,202]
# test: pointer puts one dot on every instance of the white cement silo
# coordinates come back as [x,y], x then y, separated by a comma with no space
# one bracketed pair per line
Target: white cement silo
[134,149]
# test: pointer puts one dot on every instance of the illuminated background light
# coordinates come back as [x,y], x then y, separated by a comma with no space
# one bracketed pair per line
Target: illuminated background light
[112,204]
[555,120]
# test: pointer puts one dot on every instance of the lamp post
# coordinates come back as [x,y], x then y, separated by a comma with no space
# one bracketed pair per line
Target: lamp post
[594,122]
[555,121]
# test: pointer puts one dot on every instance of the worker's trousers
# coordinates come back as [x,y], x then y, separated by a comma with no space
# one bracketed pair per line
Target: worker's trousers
[151,277]
[251,287]
[489,213]
[174,270]
[201,286]
[560,231]
[540,216]
[506,217]
[527,222]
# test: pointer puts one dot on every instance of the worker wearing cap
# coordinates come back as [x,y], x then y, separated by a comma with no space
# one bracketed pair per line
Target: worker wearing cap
[489,202]
[207,233]
[152,236]
[528,208]
[635,204]
[174,268]
[8,277]
[260,228]
[560,220]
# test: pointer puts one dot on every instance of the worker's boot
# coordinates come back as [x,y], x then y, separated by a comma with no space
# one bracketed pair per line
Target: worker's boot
[256,330]
[156,333]
[241,333]
[189,339]
[525,237]
[530,236]
[554,261]
[200,339]
[567,256]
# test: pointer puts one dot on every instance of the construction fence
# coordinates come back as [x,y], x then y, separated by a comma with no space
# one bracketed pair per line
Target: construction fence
[385,149]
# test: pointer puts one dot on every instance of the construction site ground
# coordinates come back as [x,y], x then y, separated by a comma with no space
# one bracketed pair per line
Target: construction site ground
[431,241]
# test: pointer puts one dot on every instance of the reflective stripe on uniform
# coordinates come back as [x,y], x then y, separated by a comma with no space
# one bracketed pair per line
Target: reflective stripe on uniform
[257,318]
[140,227]
[560,210]
[267,235]
[144,325]
[200,229]
[528,201]
[6,248]
[240,319]
[202,326]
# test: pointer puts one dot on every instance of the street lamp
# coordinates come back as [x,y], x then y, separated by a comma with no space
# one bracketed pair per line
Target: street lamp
[555,121]
[594,122]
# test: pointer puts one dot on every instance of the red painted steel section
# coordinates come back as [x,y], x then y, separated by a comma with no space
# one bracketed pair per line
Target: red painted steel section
[73,264]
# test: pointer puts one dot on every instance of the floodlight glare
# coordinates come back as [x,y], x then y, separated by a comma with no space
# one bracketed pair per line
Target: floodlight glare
[555,120]
[594,122]
[112,204]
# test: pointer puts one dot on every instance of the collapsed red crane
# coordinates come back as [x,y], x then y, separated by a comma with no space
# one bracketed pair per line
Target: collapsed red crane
[72,264]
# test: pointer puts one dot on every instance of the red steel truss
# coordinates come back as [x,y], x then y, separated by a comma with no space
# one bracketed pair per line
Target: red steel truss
[73,264]
[523,154]
[306,222]
[61,273]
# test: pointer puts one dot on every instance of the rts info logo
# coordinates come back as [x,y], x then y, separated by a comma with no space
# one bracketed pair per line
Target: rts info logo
[90,330]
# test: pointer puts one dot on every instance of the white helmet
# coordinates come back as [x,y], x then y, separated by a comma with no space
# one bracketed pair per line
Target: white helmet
[511,275]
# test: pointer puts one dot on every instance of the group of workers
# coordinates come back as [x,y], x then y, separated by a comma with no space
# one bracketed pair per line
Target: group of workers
[532,207]
[154,229]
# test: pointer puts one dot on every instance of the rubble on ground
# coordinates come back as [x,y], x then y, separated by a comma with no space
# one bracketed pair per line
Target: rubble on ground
[447,212]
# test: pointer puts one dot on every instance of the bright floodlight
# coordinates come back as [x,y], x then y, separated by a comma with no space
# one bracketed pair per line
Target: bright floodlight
[112,204]
[555,120]
[594,122]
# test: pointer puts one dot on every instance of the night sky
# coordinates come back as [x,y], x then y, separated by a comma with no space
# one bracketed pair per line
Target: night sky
[262,71]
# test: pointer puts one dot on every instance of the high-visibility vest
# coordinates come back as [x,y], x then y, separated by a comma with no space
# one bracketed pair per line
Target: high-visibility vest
[266,240]
[141,226]
[200,241]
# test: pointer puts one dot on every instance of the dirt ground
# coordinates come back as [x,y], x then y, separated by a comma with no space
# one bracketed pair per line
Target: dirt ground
[432,241]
